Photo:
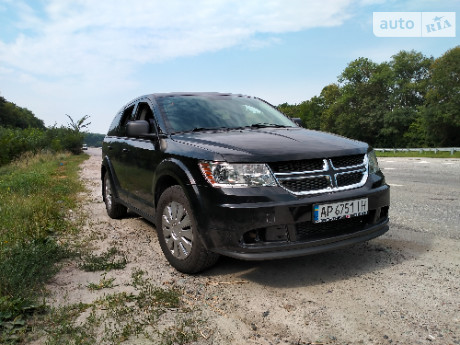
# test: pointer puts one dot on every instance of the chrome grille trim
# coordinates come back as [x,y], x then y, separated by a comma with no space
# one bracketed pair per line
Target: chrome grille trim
[330,172]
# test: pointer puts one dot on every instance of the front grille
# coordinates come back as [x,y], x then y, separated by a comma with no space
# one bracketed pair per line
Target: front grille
[308,231]
[349,178]
[316,176]
[314,183]
[346,161]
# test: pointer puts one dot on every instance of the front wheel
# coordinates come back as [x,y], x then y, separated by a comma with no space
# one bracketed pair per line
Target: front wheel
[114,209]
[178,234]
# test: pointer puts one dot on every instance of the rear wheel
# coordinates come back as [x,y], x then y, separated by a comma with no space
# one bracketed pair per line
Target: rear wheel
[115,210]
[178,235]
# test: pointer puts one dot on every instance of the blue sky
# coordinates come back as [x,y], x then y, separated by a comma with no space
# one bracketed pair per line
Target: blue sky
[90,57]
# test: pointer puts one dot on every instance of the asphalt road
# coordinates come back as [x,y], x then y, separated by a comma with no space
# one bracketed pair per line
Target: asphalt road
[425,194]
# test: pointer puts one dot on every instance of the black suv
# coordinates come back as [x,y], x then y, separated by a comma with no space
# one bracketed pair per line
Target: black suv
[229,174]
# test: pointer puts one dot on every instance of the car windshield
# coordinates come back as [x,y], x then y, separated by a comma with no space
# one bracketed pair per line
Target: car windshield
[202,112]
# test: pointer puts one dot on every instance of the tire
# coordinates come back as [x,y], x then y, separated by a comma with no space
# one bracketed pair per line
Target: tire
[178,234]
[114,209]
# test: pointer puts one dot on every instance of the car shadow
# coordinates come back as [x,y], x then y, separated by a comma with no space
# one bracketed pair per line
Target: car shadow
[354,261]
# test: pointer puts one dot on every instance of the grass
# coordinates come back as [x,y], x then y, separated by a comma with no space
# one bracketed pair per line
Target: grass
[104,283]
[156,314]
[36,194]
[107,261]
[38,224]
[424,154]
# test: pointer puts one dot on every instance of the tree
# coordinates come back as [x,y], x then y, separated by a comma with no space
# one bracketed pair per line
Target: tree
[94,139]
[75,137]
[16,117]
[311,112]
[407,92]
[441,113]
[412,100]
[79,125]
[288,109]
[359,107]
[330,95]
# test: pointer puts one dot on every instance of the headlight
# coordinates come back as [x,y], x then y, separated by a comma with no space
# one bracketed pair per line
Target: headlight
[223,174]
[373,164]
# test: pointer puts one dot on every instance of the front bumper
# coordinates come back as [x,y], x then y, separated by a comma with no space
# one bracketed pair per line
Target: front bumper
[280,225]
[282,251]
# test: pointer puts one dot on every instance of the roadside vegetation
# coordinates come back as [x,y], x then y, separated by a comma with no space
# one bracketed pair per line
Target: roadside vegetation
[21,131]
[38,198]
[15,141]
[40,226]
[415,154]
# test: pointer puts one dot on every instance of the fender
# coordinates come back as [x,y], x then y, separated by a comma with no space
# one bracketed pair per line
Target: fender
[172,168]
[172,171]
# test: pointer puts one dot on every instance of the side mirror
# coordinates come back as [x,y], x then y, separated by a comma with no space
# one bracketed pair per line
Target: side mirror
[139,128]
[297,121]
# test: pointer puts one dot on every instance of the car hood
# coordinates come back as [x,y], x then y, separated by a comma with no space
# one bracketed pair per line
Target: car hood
[270,144]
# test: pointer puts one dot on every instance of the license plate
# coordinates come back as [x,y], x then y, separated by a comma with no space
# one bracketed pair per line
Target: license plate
[339,210]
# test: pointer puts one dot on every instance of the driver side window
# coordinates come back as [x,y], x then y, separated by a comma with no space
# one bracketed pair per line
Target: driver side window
[145,113]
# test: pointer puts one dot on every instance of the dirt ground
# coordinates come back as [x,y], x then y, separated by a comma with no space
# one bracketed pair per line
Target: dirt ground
[402,288]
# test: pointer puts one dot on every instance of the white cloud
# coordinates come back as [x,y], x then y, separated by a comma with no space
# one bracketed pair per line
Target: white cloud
[77,51]
[79,36]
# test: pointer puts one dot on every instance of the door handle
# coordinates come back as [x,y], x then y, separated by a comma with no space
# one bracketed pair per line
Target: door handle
[125,150]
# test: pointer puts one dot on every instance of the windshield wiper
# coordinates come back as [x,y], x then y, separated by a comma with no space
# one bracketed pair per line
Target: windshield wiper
[256,125]
[267,125]
[199,129]
[202,129]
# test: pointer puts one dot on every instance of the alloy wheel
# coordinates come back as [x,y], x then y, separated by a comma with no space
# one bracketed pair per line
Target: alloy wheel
[177,230]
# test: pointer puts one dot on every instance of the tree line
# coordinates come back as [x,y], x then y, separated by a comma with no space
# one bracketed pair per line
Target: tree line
[94,139]
[21,131]
[410,101]
[14,116]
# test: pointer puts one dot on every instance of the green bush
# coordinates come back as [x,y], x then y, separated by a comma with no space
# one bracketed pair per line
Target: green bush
[15,141]
[65,139]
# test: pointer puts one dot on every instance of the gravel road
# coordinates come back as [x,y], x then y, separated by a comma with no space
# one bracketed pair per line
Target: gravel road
[401,288]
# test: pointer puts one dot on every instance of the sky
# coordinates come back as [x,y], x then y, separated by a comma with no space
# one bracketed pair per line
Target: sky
[86,57]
